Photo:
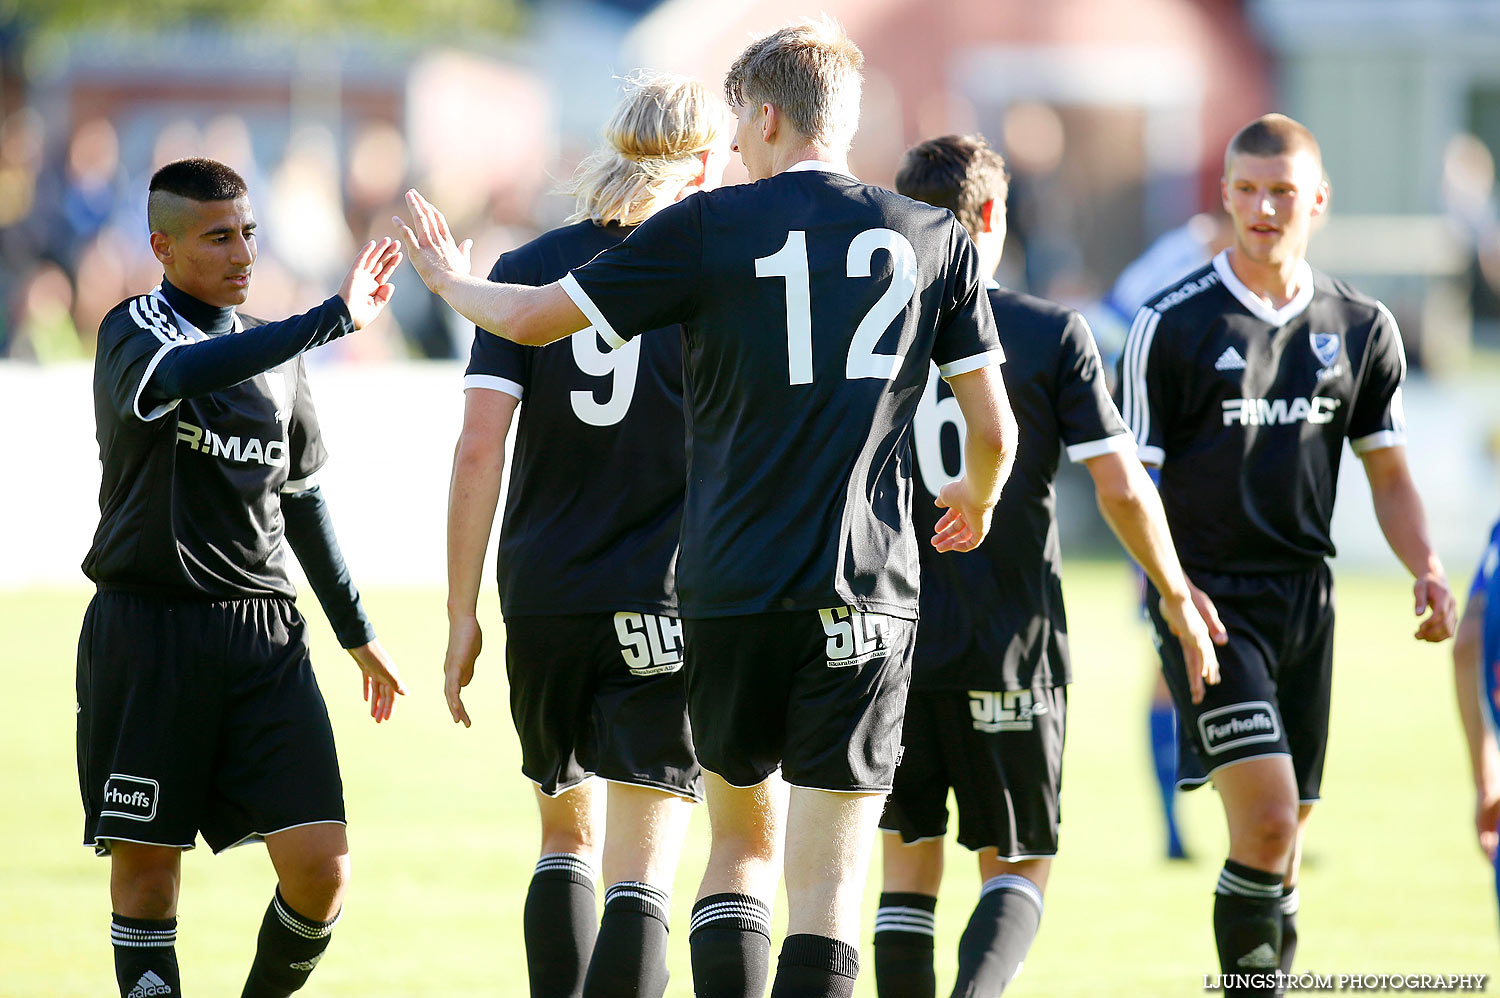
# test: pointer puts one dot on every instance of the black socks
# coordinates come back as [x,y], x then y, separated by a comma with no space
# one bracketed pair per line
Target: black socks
[998,936]
[1247,927]
[559,925]
[730,941]
[289,947]
[904,927]
[815,967]
[145,956]
[630,953]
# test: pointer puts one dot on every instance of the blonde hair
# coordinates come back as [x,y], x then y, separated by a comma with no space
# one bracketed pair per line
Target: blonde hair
[652,144]
[811,72]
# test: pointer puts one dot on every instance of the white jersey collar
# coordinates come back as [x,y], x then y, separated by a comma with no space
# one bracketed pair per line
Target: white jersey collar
[1255,304]
[821,166]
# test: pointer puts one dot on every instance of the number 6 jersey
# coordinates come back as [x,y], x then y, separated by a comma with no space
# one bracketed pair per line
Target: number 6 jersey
[595,501]
[811,305]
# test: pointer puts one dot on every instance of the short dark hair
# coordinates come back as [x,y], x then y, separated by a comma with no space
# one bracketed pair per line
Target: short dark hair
[195,179]
[1273,135]
[957,172]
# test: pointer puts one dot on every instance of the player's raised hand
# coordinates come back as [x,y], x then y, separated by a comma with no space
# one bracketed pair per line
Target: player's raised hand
[1432,593]
[465,639]
[430,245]
[367,289]
[382,681]
[967,521]
[1195,623]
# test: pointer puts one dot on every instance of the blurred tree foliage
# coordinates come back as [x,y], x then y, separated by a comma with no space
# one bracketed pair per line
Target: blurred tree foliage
[423,19]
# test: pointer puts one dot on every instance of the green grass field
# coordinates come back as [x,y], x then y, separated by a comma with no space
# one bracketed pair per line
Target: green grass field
[444,832]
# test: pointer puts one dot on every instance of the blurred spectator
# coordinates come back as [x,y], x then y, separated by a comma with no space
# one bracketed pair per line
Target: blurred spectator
[44,330]
[92,187]
[1469,199]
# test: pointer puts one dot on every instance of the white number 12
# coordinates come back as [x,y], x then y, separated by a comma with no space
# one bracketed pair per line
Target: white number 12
[790,262]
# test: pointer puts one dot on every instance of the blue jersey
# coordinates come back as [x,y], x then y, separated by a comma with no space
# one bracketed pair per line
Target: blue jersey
[1487,581]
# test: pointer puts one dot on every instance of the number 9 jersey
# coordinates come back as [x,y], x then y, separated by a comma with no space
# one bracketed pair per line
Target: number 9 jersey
[811,304]
[595,501]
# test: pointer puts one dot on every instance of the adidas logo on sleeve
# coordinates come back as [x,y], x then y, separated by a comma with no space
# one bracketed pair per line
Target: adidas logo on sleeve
[1230,360]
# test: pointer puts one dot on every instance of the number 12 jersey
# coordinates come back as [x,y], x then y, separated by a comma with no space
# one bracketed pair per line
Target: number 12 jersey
[811,305]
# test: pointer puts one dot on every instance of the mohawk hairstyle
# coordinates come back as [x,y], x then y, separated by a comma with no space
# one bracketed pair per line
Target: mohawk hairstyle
[195,179]
[957,172]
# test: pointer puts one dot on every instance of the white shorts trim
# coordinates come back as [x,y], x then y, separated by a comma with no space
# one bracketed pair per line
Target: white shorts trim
[261,836]
[1191,783]
[102,850]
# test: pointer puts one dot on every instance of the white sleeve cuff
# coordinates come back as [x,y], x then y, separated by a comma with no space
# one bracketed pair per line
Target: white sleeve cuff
[591,311]
[1151,455]
[165,407]
[1115,443]
[494,383]
[295,485]
[1377,441]
[990,358]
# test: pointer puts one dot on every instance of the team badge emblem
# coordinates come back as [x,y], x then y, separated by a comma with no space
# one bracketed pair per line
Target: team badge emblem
[1325,347]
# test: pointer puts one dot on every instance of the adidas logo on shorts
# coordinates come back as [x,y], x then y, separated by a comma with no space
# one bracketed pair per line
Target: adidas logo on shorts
[150,985]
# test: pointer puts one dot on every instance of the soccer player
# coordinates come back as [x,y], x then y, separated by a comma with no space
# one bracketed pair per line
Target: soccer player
[811,305]
[1476,681]
[988,706]
[198,711]
[1242,382]
[593,646]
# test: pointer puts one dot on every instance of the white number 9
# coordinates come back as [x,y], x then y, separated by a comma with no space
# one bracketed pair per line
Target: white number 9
[594,358]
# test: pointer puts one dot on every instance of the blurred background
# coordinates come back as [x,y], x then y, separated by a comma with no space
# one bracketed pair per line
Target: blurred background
[1113,116]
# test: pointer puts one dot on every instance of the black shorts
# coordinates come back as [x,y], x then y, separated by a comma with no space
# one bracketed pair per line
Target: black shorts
[1275,676]
[198,716]
[601,694]
[817,693]
[1001,753]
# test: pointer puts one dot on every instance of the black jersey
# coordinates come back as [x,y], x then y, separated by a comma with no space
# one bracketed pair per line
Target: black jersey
[992,618]
[1246,409]
[811,304]
[595,500]
[189,503]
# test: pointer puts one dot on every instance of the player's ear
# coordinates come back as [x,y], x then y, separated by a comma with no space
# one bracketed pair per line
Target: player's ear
[987,216]
[1322,198]
[161,245]
[769,123]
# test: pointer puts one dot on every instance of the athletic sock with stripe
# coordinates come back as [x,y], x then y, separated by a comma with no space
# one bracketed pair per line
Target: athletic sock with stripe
[630,953]
[1000,932]
[904,926]
[289,947]
[1247,927]
[559,924]
[730,942]
[145,956]
[814,966]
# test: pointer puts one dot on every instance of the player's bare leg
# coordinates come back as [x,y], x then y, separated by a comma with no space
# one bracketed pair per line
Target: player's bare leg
[644,829]
[731,926]
[560,921]
[312,871]
[828,842]
[912,872]
[143,885]
[1261,809]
